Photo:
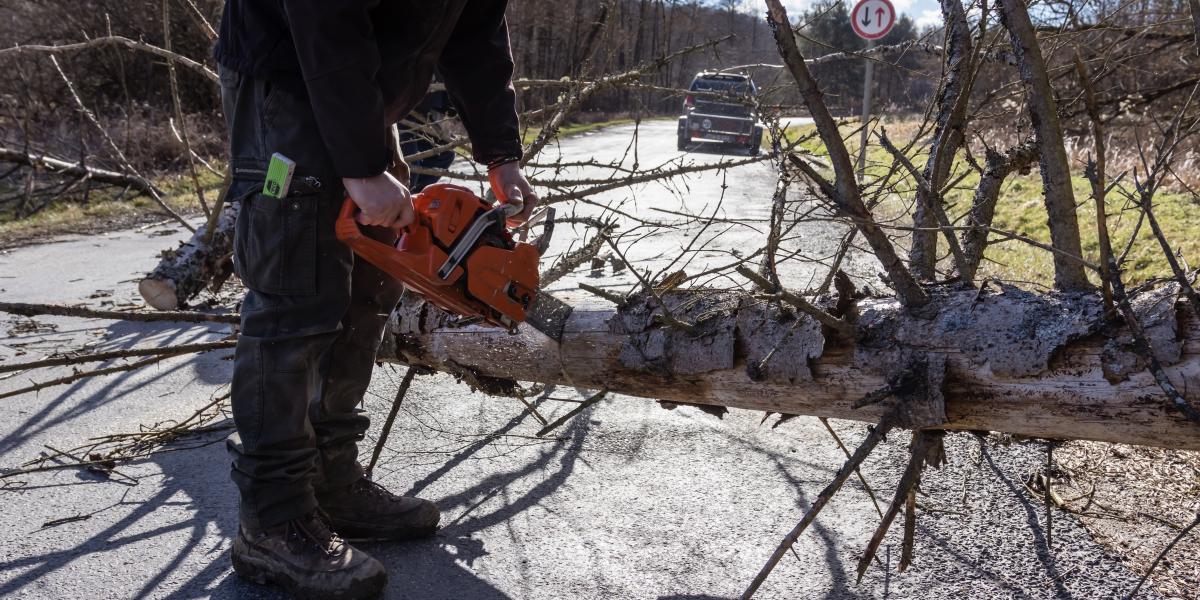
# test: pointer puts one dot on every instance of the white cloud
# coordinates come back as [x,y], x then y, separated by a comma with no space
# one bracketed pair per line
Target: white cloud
[929,17]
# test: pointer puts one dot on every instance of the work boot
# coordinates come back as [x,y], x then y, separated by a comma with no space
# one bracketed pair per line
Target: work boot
[307,559]
[365,510]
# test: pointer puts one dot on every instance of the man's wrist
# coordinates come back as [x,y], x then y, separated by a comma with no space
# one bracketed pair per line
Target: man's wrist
[501,161]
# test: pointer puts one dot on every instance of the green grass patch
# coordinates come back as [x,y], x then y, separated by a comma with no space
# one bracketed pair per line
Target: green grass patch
[1021,210]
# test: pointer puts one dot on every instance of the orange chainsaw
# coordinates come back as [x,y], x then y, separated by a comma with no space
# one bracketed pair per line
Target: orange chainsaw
[458,254]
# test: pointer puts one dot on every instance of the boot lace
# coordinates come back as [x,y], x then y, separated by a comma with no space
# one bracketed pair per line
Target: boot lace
[314,531]
[371,489]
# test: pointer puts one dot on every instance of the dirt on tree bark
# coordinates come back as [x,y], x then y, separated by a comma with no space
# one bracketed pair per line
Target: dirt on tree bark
[1038,365]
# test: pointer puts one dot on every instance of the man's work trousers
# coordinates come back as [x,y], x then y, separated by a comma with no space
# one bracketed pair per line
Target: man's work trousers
[312,318]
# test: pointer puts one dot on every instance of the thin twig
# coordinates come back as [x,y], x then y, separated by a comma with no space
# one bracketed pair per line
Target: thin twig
[32,310]
[113,354]
[1161,555]
[594,398]
[857,471]
[128,166]
[864,449]
[391,418]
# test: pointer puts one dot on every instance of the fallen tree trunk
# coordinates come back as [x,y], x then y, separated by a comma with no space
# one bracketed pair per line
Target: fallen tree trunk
[1046,366]
[184,272]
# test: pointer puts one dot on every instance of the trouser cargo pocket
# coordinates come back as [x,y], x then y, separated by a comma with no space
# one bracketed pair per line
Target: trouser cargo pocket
[275,245]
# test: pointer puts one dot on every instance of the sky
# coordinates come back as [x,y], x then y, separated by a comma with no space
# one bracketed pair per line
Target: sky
[923,12]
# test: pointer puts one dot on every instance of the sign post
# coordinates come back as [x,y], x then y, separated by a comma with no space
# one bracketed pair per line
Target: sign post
[871,20]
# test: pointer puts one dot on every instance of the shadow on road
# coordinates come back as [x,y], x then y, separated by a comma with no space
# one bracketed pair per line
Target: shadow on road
[208,368]
[196,482]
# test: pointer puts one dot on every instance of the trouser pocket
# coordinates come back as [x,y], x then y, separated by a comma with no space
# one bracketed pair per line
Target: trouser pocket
[275,245]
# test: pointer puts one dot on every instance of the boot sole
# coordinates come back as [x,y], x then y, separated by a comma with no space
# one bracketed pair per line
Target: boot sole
[260,572]
[366,532]
[424,524]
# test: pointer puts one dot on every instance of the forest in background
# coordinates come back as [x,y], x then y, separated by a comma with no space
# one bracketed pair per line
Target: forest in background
[129,91]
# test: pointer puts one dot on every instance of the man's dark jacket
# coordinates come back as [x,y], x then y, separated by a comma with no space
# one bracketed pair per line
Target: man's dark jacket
[365,64]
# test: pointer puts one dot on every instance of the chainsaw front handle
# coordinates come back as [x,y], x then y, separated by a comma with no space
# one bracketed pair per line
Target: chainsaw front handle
[511,209]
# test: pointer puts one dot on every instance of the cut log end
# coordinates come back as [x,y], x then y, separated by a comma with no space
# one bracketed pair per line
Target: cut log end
[159,294]
[185,271]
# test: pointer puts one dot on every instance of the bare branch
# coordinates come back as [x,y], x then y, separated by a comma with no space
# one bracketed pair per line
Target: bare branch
[848,198]
[953,96]
[1055,169]
[112,40]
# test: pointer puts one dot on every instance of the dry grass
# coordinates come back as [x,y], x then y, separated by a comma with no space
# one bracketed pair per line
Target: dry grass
[107,210]
[1021,210]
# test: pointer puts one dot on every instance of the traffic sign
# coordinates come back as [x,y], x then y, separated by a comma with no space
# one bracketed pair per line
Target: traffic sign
[873,19]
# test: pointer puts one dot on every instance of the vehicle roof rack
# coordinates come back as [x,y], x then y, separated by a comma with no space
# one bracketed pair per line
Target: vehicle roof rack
[727,74]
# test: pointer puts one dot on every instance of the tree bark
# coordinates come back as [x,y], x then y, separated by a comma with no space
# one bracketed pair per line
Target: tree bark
[184,271]
[1069,275]
[953,98]
[1035,365]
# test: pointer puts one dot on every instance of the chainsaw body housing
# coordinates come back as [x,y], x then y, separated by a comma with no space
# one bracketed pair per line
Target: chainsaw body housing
[491,276]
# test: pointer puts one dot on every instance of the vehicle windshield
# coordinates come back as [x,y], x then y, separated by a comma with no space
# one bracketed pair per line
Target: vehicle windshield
[733,87]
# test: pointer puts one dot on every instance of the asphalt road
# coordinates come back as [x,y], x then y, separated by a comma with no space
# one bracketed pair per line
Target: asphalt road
[626,501]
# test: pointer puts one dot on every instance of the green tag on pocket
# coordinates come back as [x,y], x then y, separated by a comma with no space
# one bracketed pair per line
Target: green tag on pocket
[279,176]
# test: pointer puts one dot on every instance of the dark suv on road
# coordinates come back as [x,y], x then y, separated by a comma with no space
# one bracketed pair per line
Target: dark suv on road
[719,110]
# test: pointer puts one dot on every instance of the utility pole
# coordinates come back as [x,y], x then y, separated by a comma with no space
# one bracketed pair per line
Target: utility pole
[868,96]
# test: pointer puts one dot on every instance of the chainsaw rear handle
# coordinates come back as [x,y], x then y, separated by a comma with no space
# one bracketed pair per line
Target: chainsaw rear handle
[350,210]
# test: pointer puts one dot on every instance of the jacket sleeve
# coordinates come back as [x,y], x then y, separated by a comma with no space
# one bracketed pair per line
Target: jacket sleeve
[339,59]
[477,66]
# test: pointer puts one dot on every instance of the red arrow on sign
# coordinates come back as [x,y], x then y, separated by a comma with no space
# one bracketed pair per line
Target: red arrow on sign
[868,28]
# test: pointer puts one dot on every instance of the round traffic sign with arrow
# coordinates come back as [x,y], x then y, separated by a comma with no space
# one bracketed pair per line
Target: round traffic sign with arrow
[873,19]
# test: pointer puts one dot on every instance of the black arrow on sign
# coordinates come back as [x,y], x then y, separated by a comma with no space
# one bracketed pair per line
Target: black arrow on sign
[866,17]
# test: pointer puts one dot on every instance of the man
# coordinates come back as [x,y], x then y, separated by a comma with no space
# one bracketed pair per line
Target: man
[321,82]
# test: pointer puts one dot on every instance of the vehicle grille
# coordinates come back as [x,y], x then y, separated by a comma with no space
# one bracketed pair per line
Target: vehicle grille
[719,124]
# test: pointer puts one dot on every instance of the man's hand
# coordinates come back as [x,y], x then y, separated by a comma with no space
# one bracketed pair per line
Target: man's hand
[510,186]
[382,200]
